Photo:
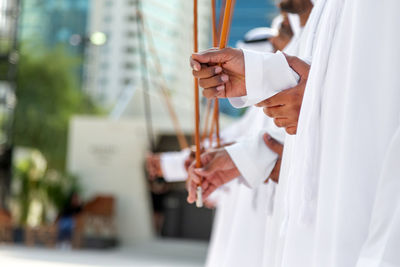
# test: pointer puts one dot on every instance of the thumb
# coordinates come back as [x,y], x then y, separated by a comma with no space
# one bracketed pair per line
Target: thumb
[207,169]
[213,55]
[273,144]
[298,65]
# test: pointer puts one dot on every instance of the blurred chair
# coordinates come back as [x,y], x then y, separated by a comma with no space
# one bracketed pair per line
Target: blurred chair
[44,234]
[95,224]
[6,227]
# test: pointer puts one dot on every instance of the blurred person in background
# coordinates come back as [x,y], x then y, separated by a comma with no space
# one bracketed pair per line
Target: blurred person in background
[285,33]
[66,219]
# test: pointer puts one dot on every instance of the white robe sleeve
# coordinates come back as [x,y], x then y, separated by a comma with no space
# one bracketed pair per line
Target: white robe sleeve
[173,165]
[382,248]
[253,159]
[266,74]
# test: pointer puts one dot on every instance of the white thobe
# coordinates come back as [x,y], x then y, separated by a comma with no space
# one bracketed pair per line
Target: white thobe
[225,210]
[253,205]
[173,165]
[241,240]
[360,109]
[382,246]
[245,231]
[275,226]
[348,118]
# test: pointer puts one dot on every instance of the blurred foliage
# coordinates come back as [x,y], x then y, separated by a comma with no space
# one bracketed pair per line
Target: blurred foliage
[48,94]
[38,194]
[5,45]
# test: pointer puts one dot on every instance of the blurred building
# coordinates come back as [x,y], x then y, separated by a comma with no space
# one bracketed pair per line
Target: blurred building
[114,68]
[47,23]
[9,10]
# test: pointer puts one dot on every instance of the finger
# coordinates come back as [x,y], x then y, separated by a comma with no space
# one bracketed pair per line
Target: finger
[214,81]
[276,171]
[291,130]
[273,144]
[277,111]
[207,72]
[195,178]
[214,92]
[195,65]
[205,184]
[285,122]
[213,55]
[209,168]
[216,180]
[208,156]
[275,100]
[192,175]
[191,192]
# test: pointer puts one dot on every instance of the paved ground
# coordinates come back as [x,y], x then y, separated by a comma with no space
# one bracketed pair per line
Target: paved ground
[161,253]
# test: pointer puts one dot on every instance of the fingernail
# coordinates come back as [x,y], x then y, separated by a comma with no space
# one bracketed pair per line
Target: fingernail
[218,70]
[225,78]
[196,68]
[269,137]
[220,88]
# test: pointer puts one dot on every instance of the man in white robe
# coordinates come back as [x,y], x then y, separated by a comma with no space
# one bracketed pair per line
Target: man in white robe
[349,94]
[236,202]
[273,241]
[343,189]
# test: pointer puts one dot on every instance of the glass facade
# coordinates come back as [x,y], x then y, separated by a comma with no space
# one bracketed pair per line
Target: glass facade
[49,23]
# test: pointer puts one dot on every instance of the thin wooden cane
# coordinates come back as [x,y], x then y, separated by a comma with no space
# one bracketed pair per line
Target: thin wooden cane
[199,201]
[222,44]
[175,121]
[215,42]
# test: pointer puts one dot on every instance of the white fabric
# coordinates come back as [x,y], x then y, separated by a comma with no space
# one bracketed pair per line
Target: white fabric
[294,21]
[173,165]
[225,211]
[383,243]
[266,75]
[253,205]
[251,156]
[352,106]
[245,244]
[238,237]
[266,46]
[308,129]
[276,22]
[282,242]
[258,33]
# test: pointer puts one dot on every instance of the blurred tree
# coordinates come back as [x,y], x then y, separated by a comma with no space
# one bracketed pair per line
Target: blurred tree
[48,95]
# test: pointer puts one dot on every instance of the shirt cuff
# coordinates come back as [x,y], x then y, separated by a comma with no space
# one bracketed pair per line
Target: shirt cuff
[266,74]
[173,165]
[253,159]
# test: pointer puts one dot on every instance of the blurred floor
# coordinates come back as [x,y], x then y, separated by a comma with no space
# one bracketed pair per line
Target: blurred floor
[159,253]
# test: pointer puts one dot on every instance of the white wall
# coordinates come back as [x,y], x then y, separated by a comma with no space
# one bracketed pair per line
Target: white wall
[107,155]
